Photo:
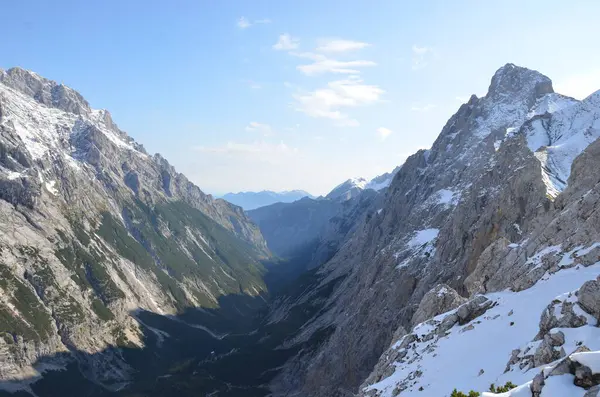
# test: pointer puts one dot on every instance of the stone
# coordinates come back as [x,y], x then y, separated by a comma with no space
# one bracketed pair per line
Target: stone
[473,309]
[439,299]
[584,377]
[589,297]
[593,391]
[555,338]
[537,385]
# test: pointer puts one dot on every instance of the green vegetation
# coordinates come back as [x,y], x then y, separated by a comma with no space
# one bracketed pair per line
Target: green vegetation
[121,338]
[176,256]
[33,322]
[508,386]
[89,271]
[461,394]
[80,233]
[101,310]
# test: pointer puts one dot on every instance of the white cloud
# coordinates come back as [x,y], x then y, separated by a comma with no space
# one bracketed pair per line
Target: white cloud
[579,86]
[383,133]
[264,129]
[422,56]
[243,23]
[286,43]
[424,108]
[333,66]
[322,64]
[248,149]
[328,102]
[462,99]
[340,45]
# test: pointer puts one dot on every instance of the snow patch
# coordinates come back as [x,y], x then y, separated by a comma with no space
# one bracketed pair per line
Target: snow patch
[423,237]
[589,359]
[51,187]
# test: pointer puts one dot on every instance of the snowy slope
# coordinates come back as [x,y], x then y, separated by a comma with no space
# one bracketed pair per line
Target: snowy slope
[44,130]
[558,138]
[475,354]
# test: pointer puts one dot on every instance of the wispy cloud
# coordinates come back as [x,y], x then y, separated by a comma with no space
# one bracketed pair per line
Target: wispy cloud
[339,45]
[424,108]
[422,56]
[462,99]
[322,64]
[329,102]
[286,43]
[263,129]
[383,133]
[244,23]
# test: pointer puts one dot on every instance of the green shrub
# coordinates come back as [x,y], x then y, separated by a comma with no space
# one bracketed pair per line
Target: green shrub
[456,393]
[508,386]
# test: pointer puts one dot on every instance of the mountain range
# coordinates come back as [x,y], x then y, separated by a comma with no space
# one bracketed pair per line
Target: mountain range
[251,200]
[344,191]
[471,269]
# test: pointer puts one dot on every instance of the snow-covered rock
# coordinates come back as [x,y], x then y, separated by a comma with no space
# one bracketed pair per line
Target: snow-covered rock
[444,353]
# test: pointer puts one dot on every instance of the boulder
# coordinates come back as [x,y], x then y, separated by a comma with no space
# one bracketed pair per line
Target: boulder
[439,299]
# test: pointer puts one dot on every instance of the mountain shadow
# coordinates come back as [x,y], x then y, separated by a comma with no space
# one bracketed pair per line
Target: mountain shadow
[231,351]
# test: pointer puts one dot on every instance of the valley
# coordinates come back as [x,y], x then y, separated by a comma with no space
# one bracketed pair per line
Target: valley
[120,277]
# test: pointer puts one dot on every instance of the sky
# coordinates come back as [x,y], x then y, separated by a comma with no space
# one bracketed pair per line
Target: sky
[281,95]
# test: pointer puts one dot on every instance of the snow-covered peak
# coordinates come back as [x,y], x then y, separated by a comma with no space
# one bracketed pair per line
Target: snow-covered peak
[46,115]
[382,181]
[352,186]
[358,182]
[45,91]
[348,189]
[514,91]
[558,138]
[515,81]
[593,99]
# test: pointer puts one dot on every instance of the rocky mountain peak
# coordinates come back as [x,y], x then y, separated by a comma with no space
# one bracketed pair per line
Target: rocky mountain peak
[45,91]
[516,81]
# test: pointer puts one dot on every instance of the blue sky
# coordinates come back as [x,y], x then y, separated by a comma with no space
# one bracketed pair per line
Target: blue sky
[251,95]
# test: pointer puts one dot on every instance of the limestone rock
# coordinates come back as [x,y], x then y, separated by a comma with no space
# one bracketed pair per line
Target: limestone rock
[440,299]
[589,297]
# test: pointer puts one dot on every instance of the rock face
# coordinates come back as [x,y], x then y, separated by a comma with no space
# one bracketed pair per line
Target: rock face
[480,211]
[93,228]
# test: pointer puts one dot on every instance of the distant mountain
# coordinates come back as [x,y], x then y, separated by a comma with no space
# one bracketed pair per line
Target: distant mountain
[252,200]
[312,230]
[382,181]
[353,186]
